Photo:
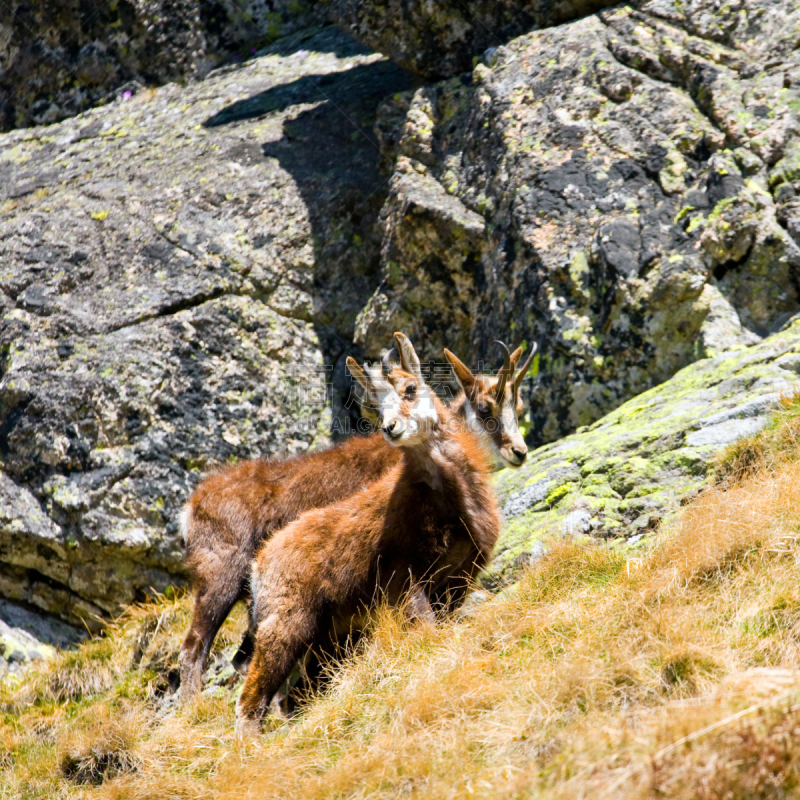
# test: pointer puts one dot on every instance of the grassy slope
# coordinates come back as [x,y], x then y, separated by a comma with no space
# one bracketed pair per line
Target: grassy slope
[598,675]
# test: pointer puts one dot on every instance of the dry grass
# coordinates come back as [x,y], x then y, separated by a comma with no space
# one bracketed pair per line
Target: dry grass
[588,665]
[106,746]
[775,446]
[674,674]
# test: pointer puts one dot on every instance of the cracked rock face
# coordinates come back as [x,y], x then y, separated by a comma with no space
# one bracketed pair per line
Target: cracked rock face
[622,189]
[175,272]
[59,57]
[184,270]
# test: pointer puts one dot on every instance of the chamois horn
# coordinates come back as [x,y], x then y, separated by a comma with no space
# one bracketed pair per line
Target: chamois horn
[505,370]
[523,370]
[386,364]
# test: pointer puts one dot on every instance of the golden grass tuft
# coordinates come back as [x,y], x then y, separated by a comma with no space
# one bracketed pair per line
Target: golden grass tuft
[755,759]
[72,676]
[724,527]
[105,747]
[597,675]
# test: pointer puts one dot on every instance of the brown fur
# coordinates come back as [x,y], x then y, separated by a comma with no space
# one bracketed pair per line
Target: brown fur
[430,517]
[233,511]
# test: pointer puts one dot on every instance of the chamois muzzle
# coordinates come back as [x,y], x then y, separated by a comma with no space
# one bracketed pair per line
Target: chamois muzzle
[393,429]
[519,454]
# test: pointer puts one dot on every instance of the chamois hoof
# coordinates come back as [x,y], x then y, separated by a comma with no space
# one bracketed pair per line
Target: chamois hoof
[246,727]
[191,684]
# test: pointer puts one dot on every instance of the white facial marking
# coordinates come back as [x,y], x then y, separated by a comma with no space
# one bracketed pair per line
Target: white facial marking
[412,426]
[510,426]
[478,429]
[508,421]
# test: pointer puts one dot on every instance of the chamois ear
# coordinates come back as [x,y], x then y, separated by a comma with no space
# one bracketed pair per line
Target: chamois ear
[523,370]
[366,402]
[464,375]
[515,356]
[404,365]
[358,373]
[408,356]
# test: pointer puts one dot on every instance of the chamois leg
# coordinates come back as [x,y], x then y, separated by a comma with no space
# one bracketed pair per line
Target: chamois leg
[244,653]
[318,665]
[279,642]
[212,604]
[241,659]
[302,681]
[450,595]
[419,606]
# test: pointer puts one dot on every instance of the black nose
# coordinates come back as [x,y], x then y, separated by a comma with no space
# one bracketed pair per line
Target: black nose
[519,453]
[392,430]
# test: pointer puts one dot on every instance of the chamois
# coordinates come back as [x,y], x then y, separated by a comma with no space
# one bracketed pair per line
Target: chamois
[399,538]
[232,512]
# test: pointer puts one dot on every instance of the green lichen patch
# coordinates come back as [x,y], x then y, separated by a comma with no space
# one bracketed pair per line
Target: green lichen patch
[632,468]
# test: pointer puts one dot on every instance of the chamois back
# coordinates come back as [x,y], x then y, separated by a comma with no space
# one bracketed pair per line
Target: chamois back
[234,510]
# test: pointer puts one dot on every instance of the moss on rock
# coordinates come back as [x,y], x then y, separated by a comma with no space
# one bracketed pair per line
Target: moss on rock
[634,467]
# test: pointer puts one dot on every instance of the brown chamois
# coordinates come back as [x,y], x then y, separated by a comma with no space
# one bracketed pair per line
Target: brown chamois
[492,406]
[395,539]
[233,511]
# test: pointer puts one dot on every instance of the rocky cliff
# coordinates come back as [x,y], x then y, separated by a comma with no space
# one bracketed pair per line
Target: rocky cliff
[184,269]
[59,57]
[621,189]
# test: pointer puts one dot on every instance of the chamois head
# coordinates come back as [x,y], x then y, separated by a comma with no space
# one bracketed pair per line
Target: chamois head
[405,404]
[493,405]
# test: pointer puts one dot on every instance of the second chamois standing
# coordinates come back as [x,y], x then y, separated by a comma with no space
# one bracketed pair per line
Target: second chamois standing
[431,516]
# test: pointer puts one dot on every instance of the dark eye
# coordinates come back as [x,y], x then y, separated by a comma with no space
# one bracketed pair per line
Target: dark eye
[411,389]
[483,408]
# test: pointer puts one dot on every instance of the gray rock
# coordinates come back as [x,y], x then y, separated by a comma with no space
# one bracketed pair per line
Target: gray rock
[725,432]
[472,602]
[756,407]
[178,292]
[18,649]
[635,172]
[443,38]
[790,362]
[60,57]
[46,629]
[577,522]
[535,494]
[623,476]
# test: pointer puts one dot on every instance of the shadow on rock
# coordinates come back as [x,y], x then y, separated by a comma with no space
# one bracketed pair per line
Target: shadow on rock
[307,89]
[334,158]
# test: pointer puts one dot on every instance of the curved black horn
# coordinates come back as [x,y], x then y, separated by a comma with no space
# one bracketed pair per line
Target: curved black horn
[386,363]
[505,370]
[523,370]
